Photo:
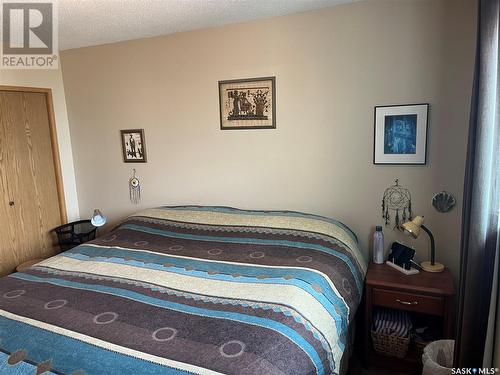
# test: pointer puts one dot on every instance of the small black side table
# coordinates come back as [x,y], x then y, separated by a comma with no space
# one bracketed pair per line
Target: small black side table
[74,234]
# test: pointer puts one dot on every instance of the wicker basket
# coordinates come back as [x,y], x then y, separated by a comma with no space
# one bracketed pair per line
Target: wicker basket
[390,345]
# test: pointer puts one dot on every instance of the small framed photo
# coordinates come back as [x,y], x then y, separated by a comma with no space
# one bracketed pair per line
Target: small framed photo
[133,146]
[401,134]
[248,103]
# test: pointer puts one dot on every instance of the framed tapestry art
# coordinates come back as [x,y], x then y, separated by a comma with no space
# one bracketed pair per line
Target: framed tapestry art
[248,103]
[400,134]
[133,146]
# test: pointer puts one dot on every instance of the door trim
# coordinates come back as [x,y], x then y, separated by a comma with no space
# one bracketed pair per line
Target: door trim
[53,140]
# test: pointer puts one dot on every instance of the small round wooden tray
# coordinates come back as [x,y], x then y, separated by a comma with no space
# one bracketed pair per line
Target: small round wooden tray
[25,265]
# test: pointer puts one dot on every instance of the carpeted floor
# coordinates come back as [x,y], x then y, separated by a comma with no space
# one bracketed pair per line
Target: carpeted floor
[355,368]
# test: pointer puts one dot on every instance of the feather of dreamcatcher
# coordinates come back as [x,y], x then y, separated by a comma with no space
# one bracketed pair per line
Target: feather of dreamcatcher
[134,186]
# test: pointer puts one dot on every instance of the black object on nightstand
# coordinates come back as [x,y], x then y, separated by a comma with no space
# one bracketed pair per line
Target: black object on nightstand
[429,297]
[74,234]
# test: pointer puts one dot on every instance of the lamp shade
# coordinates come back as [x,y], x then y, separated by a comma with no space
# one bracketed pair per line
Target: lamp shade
[413,226]
[98,219]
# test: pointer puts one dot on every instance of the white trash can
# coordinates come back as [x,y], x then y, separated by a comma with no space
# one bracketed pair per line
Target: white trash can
[438,357]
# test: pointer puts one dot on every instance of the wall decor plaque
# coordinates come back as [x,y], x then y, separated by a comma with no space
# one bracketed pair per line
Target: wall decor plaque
[248,103]
[444,201]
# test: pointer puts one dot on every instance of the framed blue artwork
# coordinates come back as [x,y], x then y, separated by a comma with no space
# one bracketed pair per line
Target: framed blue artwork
[401,134]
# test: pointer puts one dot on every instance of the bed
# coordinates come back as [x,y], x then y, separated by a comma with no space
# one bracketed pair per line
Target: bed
[189,290]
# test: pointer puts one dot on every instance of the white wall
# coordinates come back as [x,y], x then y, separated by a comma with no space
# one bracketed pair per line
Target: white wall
[52,79]
[332,67]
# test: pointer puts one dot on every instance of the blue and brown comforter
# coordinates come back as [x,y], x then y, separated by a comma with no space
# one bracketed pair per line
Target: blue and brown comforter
[188,290]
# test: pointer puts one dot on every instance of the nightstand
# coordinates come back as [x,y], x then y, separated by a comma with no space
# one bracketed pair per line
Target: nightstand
[425,295]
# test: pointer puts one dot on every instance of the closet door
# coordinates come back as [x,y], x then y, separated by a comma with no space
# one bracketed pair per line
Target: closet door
[29,206]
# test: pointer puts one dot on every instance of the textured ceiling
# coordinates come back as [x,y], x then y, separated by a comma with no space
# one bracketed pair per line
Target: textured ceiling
[92,22]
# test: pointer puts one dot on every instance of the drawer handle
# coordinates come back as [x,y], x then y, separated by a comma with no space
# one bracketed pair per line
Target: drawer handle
[406,302]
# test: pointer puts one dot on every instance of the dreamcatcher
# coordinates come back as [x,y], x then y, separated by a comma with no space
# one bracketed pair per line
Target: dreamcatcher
[396,198]
[134,187]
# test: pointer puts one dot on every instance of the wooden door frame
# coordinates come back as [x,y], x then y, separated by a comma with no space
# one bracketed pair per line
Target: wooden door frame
[53,141]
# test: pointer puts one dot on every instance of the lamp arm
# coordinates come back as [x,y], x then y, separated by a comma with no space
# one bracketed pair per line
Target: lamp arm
[433,246]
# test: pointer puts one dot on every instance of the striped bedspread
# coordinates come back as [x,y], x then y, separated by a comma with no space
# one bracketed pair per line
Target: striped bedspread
[188,290]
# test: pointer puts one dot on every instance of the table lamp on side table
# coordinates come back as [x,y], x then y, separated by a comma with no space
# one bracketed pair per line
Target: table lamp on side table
[413,227]
[98,219]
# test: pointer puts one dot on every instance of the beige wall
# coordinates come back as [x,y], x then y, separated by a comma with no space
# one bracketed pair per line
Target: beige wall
[332,67]
[52,79]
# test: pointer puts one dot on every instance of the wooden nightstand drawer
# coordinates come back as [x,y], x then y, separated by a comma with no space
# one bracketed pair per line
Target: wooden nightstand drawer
[408,301]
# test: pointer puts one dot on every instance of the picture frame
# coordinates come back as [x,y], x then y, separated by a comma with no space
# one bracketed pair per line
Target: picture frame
[248,103]
[400,134]
[133,146]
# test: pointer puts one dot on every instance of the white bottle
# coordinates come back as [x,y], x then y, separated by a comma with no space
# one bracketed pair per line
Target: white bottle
[378,246]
